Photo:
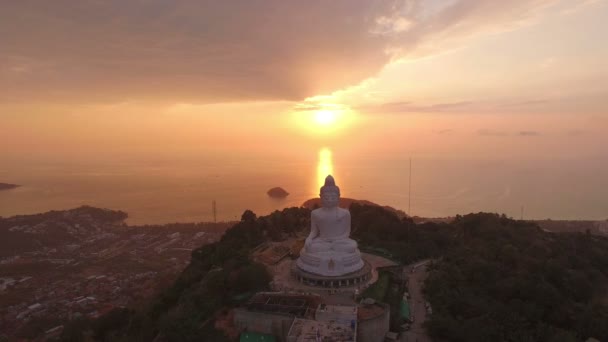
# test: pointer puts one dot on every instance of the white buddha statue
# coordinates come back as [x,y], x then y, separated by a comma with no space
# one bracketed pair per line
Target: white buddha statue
[328,250]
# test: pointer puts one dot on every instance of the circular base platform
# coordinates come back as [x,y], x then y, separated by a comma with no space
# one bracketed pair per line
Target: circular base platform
[346,280]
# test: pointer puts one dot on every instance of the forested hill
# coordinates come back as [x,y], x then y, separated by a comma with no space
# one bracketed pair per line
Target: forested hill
[220,275]
[506,280]
[493,279]
[346,203]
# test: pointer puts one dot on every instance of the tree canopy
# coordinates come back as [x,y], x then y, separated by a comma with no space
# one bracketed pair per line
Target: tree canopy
[492,279]
[507,280]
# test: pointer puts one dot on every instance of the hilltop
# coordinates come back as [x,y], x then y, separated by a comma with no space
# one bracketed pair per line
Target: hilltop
[487,268]
[346,203]
[492,278]
[223,275]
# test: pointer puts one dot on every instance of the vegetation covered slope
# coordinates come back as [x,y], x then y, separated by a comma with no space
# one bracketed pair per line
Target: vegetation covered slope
[27,233]
[377,230]
[493,279]
[506,280]
[219,275]
[497,279]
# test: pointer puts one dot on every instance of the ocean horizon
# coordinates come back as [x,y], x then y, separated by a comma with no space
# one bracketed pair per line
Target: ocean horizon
[158,193]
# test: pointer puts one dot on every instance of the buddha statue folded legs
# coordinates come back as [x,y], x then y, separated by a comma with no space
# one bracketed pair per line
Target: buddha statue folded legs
[328,245]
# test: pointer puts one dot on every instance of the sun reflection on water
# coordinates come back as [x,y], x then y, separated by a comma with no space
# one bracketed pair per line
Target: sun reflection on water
[325,166]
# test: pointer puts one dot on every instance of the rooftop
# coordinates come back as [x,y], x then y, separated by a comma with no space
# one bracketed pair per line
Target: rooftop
[368,311]
[345,310]
[336,313]
[304,330]
[296,305]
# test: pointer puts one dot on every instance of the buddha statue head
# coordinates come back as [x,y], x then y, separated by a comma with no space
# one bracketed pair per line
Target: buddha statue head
[330,193]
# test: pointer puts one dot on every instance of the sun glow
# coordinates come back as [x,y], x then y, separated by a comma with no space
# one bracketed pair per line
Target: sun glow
[325,117]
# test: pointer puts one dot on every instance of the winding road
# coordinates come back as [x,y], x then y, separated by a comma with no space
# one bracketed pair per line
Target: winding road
[416,273]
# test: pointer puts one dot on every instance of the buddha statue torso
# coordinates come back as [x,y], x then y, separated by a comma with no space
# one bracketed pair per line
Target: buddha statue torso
[328,250]
[331,223]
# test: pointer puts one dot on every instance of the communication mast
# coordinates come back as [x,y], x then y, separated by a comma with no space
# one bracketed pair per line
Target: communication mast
[409,195]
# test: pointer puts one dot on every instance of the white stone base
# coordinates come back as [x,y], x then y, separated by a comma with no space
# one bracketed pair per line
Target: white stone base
[330,263]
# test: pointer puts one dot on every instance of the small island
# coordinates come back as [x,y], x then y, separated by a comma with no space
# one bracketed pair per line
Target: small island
[6,186]
[277,192]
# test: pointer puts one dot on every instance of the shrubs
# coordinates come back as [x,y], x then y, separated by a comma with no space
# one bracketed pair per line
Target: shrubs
[379,289]
[375,228]
[506,280]
[217,274]
[493,279]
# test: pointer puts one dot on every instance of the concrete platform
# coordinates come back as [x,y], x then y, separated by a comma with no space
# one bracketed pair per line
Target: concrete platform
[347,280]
[284,281]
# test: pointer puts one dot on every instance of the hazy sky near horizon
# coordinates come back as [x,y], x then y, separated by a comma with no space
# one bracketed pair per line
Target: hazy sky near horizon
[92,80]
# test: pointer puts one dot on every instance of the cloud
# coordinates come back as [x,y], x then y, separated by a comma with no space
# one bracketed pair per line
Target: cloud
[528,133]
[577,132]
[581,4]
[491,133]
[464,107]
[212,51]
[499,133]
[522,104]
[410,107]
[547,63]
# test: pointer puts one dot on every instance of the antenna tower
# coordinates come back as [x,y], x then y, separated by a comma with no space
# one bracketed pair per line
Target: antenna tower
[409,195]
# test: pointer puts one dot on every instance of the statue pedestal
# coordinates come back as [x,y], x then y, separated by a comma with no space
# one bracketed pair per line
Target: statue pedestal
[355,279]
[330,263]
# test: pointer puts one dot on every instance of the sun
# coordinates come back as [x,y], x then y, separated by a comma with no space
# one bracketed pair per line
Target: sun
[325,117]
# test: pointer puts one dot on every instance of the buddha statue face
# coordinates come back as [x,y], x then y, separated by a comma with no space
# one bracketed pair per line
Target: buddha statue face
[330,199]
[330,193]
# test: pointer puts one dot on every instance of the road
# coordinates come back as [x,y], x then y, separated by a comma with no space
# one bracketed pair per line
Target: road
[417,307]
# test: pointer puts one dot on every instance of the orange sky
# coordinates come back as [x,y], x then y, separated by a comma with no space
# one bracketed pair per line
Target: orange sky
[105,81]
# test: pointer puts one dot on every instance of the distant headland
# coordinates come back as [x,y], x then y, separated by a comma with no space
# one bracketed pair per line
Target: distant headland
[6,186]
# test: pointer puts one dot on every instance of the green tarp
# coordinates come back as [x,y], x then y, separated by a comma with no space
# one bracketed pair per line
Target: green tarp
[255,337]
[242,296]
[404,311]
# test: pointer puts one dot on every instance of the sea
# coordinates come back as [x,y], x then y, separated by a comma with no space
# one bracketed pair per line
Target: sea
[184,191]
